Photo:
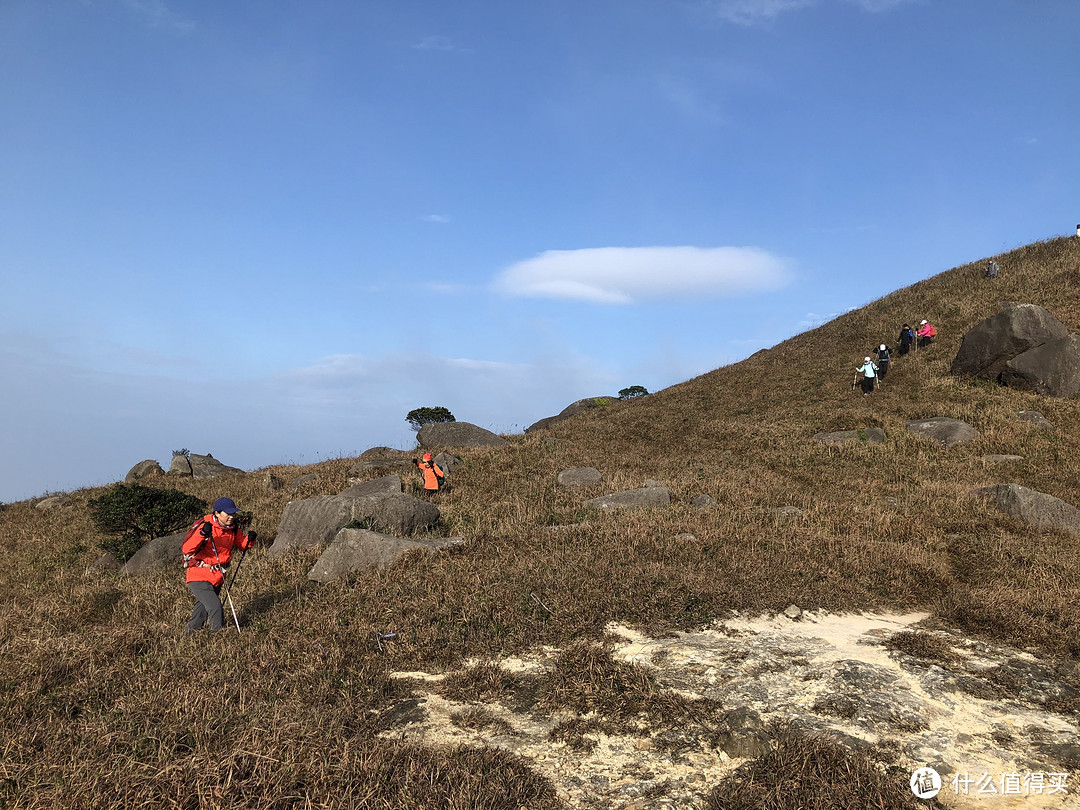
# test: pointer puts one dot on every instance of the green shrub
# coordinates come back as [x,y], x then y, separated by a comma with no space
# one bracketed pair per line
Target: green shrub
[132,515]
[418,417]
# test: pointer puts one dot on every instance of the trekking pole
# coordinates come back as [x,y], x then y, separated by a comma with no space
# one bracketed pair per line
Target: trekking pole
[225,584]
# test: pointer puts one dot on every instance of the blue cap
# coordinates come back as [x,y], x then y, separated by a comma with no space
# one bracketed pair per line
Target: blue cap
[225,505]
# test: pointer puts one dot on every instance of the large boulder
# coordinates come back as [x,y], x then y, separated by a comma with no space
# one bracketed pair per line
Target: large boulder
[631,499]
[144,469]
[359,549]
[209,467]
[570,410]
[387,485]
[381,452]
[312,521]
[1033,508]
[944,430]
[1052,369]
[990,345]
[457,434]
[396,513]
[162,552]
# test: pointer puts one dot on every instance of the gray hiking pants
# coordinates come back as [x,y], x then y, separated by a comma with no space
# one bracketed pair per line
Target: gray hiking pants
[208,607]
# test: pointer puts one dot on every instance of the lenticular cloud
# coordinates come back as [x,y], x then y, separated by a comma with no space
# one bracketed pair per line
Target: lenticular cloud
[620,275]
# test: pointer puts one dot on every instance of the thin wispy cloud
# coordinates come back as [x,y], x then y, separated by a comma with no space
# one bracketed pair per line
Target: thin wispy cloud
[158,15]
[438,219]
[759,12]
[624,275]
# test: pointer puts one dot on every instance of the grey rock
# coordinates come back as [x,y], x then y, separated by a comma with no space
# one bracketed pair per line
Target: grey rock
[860,436]
[107,562]
[793,611]
[209,467]
[1052,369]
[1038,420]
[312,521]
[579,477]
[144,469]
[686,537]
[396,513]
[386,485]
[631,499]
[447,463]
[1034,508]
[52,502]
[302,481]
[160,553]
[990,345]
[457,434]
[702,502]
[785,514]
[571,409]
[180,466]
[944,430]
[381,452]
[273,483]
[358,549]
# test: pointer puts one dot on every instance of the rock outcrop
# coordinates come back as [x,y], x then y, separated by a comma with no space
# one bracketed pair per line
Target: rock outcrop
[631,499]
[436,435]
[990,345]
[1034,508]
[1052,369]
[570,410]
[144,469]
[358,549]
[944,430]
[577,477]
[162,552]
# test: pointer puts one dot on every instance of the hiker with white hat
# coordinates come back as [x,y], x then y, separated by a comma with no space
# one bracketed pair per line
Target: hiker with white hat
[926,334]
[883,358]
[869,371]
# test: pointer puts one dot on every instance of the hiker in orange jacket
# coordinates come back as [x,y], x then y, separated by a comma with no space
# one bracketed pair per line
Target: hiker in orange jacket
[433,474]
[207,550]
[926,334]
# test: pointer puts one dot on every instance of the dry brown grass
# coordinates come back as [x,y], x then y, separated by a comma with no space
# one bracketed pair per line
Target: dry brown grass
[102,703]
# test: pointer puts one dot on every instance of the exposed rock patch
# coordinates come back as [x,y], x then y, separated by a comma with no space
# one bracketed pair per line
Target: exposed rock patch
[1034,508]
[570,410]
[358,549]
[144,469]
[990,345]
[577,477]
[631,499]
[944,430]
[457,434]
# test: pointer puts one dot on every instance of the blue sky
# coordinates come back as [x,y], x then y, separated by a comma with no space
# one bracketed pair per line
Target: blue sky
[268,230]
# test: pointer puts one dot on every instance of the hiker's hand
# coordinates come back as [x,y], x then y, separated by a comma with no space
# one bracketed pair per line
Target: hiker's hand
[252,538]
[206,531]
[415,461]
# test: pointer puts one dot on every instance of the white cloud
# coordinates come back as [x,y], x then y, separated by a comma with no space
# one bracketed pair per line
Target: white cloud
[622,275]
[440,43]
[438,219]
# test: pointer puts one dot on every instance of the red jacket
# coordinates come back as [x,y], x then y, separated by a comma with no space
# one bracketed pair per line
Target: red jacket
[206,559]
[433,474]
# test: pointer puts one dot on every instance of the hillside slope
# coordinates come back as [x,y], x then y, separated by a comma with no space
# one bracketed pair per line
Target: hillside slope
[103,704]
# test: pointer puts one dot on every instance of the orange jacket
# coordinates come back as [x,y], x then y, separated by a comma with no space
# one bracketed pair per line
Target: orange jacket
[205,561]
[433,474]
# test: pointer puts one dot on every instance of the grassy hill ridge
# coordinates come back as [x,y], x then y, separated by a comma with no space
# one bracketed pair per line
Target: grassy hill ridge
[103,703]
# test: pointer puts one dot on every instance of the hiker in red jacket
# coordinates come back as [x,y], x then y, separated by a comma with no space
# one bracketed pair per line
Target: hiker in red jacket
[207,550]
[926,334]
[433,474]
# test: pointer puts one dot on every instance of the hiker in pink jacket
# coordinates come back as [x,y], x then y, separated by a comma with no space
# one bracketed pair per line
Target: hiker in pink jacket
[926,334]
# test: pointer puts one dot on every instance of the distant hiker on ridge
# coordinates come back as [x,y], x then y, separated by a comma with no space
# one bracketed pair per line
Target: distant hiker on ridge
[868,369]
[207,548]
[926,334]
[992,269]
[907,337]
[434,477]
[883,358]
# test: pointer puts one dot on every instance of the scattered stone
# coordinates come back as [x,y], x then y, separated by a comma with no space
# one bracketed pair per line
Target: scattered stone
[1000,459]
[860,436]
[785,514]
[302,481]
[382,465]
[447,463]
[273,483]
[631,499]
[52,502]
[381,452]
[793,611]
[702,501]
[944,430]
[107,562]
[144,469]
[1038,420]
[358,549]
[686,537]
[579,477]
[209,467]
[180,466]
[1034,508]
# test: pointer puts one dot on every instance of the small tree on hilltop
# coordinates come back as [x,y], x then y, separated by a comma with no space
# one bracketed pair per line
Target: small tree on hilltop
[418,417]
[633,391]
[134,514]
